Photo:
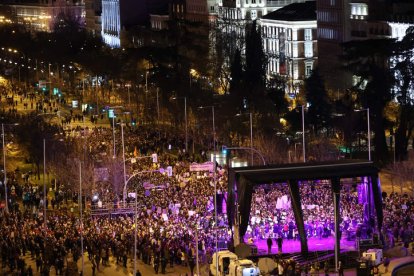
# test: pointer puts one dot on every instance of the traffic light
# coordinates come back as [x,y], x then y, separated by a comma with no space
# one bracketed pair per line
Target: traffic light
[224,150]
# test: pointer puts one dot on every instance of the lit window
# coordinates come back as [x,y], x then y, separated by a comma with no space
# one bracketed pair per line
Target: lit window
[294,34]
[308,34]
[295,70]
[254,14]
[308,49]
[295,49]
[359,10]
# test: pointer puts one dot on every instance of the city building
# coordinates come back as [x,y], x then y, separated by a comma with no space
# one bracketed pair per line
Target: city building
[289,40]
[42,15]
[177,9]
[159,21]
[249,9]
[118,16]
[93,10]
[201,10]
[340,21]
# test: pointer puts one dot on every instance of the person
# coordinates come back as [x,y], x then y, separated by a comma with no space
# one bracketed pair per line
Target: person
[326,268]
[93,263]
[138,273]
[279,244]
[191,264]
[29,271]
[269,245]
[340,269]
[163,264]
[280,268]
[156,264]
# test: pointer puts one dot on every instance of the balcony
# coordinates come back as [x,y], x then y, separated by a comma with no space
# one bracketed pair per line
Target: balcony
[282,3]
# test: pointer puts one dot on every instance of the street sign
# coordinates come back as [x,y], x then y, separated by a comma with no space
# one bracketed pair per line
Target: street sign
[42,84]
[111,114]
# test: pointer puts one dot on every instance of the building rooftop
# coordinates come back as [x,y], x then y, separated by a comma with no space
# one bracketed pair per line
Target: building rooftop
[294,12]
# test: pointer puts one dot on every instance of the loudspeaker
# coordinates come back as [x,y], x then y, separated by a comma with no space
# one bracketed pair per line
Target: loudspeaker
[219,198]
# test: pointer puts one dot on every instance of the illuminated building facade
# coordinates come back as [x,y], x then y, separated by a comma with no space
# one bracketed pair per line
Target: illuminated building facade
[120,15]
[111,23]
[340,21]
[201,10]
[42,15]
[93,10]
[250,9]
[289,40]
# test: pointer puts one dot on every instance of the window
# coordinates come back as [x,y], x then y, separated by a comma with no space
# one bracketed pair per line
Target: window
[253,1]
[295,49]
[308,49]
[254,14]
[295,70]
[359,10]
[308,69]
[308,34]
[294,34]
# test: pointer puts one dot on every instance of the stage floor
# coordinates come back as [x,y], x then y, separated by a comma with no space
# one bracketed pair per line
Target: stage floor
[314,244]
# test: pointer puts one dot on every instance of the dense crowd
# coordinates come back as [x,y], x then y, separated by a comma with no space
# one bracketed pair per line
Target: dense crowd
[173,211]
[272,215]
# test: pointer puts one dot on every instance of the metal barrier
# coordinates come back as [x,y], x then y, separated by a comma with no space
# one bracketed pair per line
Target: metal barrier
[112,209]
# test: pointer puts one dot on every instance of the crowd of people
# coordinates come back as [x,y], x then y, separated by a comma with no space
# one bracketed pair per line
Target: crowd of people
[272,216]
[173,211]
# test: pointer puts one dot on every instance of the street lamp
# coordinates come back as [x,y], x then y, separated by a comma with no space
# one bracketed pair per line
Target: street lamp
[4,165]
[44,184]
[81,213]
[50,79]
[214,179]
[251,132]
[303,134]
[135,234]
[296,156]
[123,159]
[368,129]
[185,118]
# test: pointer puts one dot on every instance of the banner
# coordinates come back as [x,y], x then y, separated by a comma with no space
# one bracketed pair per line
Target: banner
[198,167]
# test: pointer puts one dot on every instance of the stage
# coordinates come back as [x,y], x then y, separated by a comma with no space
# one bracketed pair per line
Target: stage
[314,244]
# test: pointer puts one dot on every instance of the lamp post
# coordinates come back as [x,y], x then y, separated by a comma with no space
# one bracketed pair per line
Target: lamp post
[368,129]
[251,133]
[80,213]
[135,235]
[113,134]
[296,155]
[214,180]
[196,248]
[185,119]
[123,159]
[158,108]
[128,85]
[5,172]
[44,185]
[50,80]
[303,134]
